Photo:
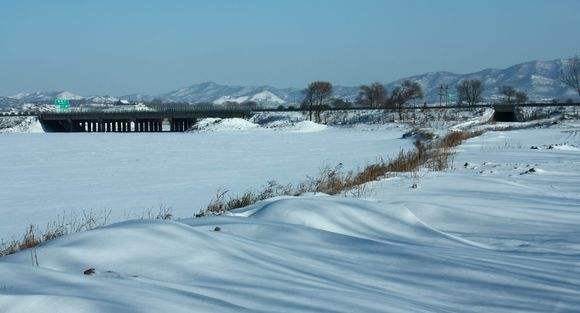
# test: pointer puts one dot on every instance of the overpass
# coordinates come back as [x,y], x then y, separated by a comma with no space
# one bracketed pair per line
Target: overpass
[174,120]
[180,119]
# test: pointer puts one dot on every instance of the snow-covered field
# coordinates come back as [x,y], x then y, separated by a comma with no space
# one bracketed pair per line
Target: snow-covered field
[498,233]
[44,175]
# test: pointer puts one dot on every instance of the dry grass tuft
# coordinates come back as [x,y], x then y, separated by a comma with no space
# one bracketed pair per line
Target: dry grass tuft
[437,155]
[64,225]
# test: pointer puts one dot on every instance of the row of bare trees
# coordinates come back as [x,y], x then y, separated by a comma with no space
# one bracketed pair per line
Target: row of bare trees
[318,94]
[375,95]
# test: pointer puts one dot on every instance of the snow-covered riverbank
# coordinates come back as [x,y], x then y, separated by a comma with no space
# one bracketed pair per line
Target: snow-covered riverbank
[44,175]
[492,235]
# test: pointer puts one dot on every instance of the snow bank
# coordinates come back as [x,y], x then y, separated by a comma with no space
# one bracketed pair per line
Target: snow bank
[20,125]
[518,125]
[355,218]
[286,255]
[291,121]
[261,121]
[307,127]
[277,119]
[485,118]
[219,124]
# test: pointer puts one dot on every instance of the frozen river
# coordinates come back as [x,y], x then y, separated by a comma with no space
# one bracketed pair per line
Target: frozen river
[44,175]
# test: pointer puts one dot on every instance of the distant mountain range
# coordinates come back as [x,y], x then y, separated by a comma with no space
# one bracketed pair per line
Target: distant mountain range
[540,79]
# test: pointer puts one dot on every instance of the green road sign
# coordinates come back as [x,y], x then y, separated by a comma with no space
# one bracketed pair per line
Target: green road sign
[62,104]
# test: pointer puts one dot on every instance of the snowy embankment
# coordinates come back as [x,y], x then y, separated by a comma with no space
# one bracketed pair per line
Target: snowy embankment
[518,125]
[286,121]
[486,117]
[493,235]
[20,125]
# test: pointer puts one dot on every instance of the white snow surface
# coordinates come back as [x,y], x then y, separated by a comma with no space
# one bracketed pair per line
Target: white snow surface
[488,236]
[45,175]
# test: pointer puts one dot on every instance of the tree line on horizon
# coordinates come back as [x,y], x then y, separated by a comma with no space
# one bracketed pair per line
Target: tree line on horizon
[318,95]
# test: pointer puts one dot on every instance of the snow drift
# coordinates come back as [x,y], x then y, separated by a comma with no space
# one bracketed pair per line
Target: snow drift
[310,254]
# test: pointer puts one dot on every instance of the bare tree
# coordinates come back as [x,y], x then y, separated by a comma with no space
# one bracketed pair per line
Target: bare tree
[571,74]
[316,97]
[373,95]
[339,103]
[521,97]
[470,91]
[409,90]
[508,92]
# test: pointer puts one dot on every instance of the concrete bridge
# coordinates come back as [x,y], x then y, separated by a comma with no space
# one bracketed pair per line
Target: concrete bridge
[131,121]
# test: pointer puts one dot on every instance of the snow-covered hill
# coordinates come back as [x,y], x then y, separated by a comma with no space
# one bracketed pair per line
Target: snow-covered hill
[45,96]
[218,94]
[540,79]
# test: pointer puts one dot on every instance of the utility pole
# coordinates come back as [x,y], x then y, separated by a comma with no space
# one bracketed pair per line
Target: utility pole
[443,94]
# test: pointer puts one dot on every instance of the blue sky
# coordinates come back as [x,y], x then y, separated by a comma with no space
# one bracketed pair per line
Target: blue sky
[146,46]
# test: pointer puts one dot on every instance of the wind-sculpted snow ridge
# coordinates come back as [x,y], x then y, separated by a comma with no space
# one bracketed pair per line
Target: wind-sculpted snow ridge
[308,254]
[355,218]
